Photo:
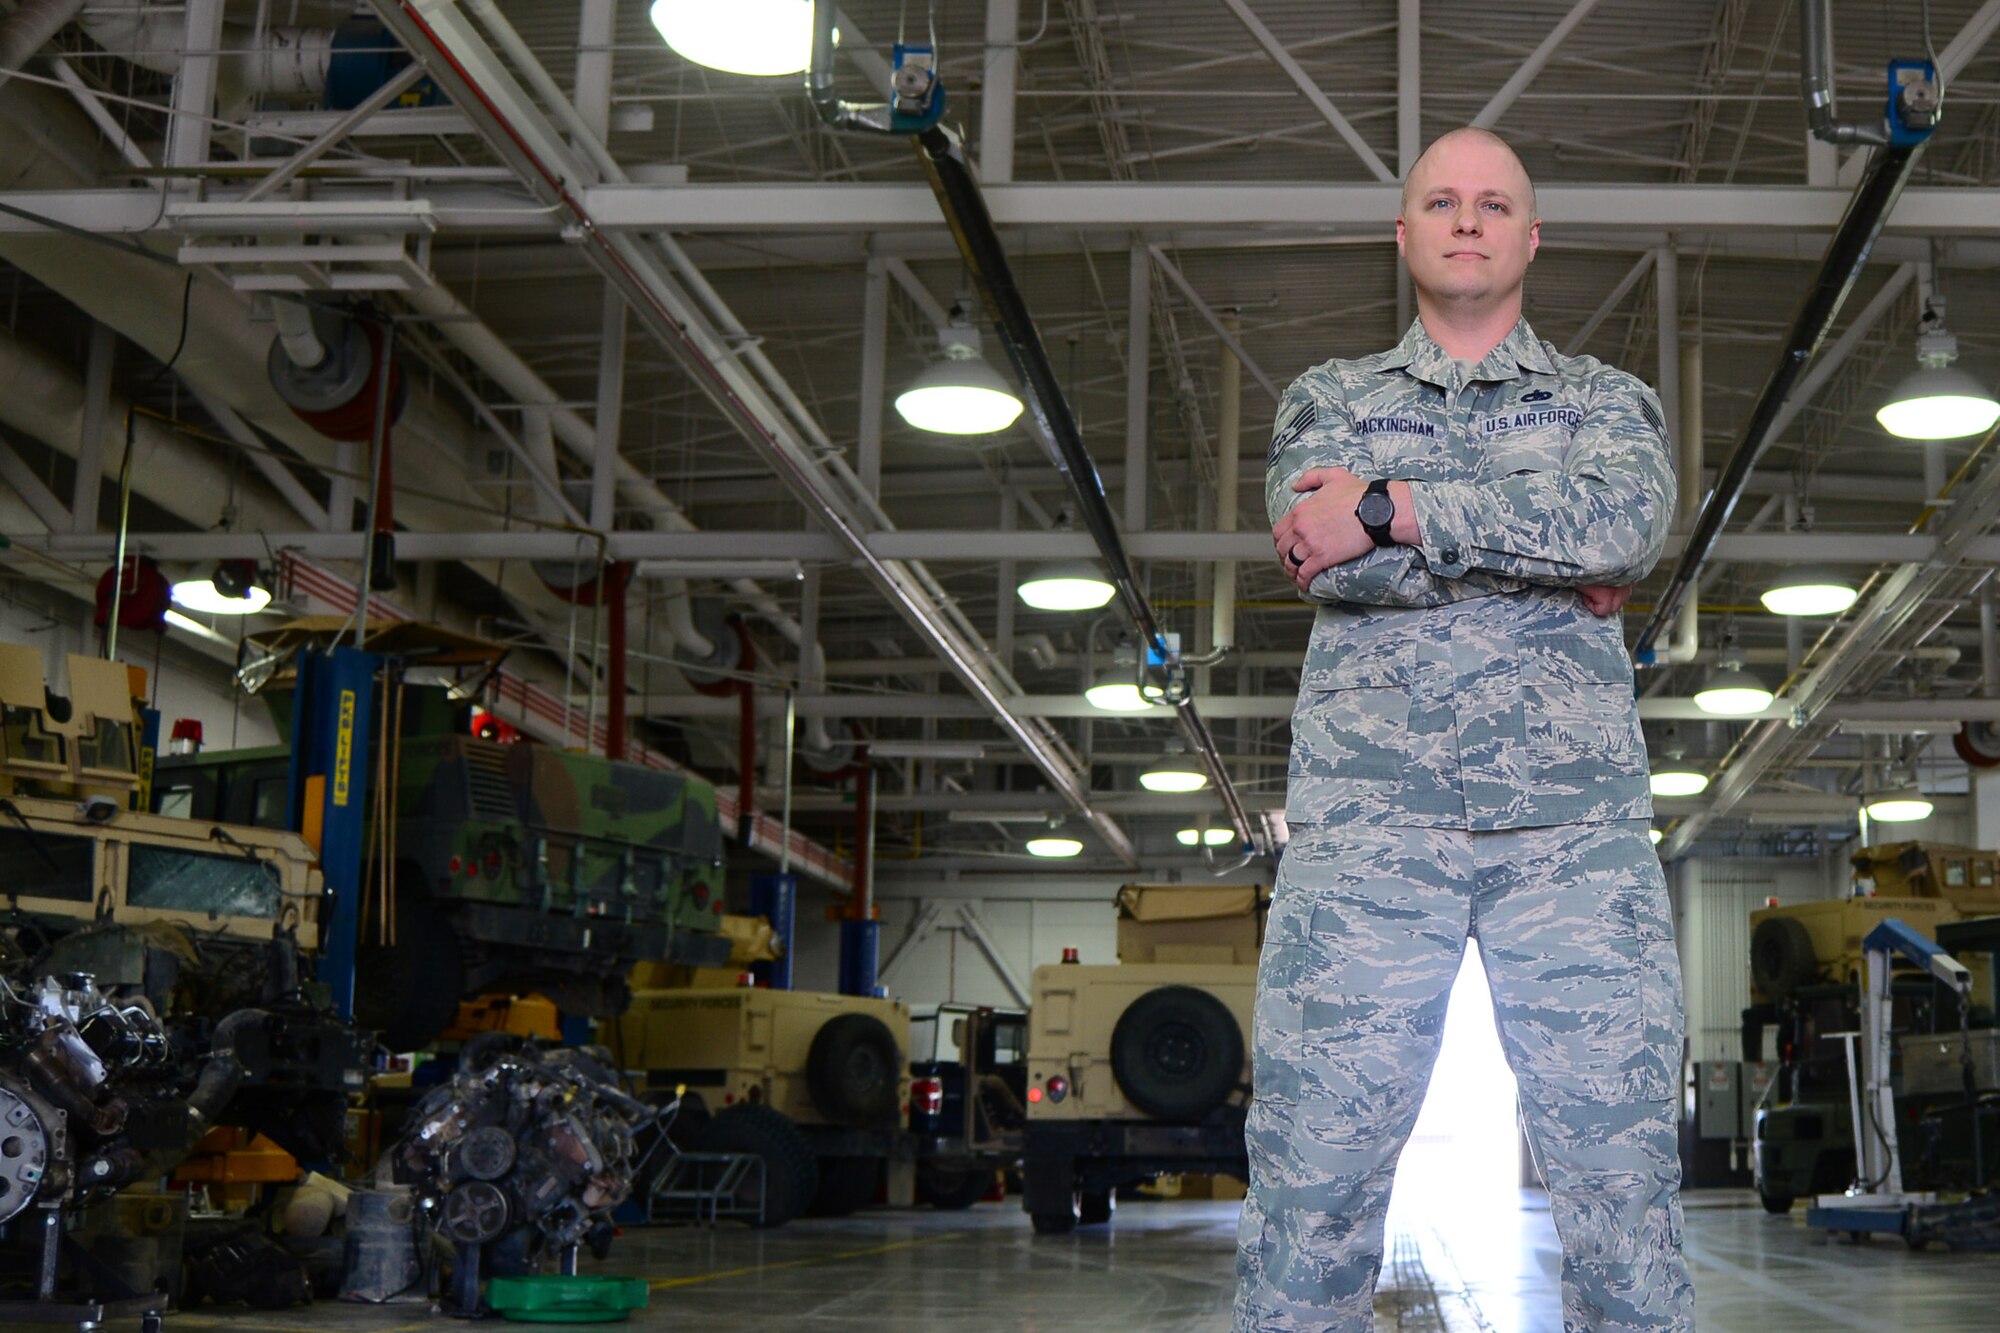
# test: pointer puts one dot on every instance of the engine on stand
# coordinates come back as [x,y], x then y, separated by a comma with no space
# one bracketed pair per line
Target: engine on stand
[519,1160]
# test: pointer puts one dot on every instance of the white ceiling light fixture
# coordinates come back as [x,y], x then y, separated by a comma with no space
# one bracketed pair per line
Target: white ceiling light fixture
[1054,848]
[1175,773]
[756,37]
[1899,805]
[1215,837]
[1657,836]
[962,394]
[1116,692]
[233,589]
[1937,401]
[1809,591]
[1731,690]
[1676,777]
[1066,585]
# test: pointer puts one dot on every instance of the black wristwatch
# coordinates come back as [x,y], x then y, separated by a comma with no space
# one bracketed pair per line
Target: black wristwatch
[1377,512]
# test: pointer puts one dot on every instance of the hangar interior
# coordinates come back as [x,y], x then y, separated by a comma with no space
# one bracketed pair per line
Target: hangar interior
[650,322]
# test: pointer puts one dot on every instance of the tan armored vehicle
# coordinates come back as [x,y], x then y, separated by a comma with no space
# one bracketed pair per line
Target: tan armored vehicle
[1142,1068]
[817,1085]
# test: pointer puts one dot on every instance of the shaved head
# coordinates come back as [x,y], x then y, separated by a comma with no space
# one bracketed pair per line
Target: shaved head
[1463,133]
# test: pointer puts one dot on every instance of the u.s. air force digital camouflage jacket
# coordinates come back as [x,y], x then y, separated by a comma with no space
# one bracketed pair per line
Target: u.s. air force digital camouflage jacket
[1462,683]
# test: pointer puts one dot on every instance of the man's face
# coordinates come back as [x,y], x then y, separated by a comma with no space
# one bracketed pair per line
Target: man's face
[1468,230]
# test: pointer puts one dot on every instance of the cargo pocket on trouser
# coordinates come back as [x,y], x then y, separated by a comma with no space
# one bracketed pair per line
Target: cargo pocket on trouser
[1577,706]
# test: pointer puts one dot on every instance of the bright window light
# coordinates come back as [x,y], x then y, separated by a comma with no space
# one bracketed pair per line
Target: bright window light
[760,37]
[1175,774]
[1808,593]
[1679,782]
[1066,587]
[1116,693]
[1215,837]
[201,595]
[1054,847]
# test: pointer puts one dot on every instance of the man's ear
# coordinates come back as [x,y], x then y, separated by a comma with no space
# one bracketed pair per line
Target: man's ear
[1534,238]
[1399,234]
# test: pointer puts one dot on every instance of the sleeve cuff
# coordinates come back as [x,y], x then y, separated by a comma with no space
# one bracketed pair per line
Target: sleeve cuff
[1442,524]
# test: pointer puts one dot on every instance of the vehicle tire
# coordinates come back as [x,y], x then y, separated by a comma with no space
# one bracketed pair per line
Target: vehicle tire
[1781,957]
[846,1184]
[1177,1053]
[853,1072]
[1055,1224]
[791,1174]
[408,992]
[953,1191]
[1776,1204]
[1095,1207]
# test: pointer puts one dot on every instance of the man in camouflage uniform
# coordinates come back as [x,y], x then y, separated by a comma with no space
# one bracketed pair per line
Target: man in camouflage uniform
[1467,762]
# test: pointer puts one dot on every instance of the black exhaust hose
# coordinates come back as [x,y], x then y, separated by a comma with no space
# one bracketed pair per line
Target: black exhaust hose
[964,208]
[1845,257]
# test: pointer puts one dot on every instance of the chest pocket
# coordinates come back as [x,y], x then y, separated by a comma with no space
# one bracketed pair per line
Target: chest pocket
[1353,714]
[1577,704]
[1527,437]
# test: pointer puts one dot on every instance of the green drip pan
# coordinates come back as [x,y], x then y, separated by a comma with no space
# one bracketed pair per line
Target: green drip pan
[556,1299]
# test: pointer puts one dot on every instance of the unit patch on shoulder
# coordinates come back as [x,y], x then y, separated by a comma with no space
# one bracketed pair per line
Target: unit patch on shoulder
[1302,421]
[1538,396]
[1652,415]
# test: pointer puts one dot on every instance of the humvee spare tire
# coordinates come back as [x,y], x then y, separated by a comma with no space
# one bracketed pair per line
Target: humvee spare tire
[852,1072]
[1177,1053]
[1781,956]
[791,1175]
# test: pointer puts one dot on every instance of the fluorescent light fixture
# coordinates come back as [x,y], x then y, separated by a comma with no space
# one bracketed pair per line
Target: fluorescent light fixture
[1677,779]
[1071,585]
[1730,691]
[960,395]
[1809,592]
[1055,848]
[196,628]
[1899,805]
[1215,837]
[757,37]
[1175,773]
[1657,836]
[1116,692]
[202,595]
[927,749]
[1938,403]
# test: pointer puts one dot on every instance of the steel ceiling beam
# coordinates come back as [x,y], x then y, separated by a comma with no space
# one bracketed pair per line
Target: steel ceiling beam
[1286,61]
[1538,59]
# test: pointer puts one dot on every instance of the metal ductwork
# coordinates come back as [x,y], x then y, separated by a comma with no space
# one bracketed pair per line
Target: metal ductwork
[1912,116]
[31,27]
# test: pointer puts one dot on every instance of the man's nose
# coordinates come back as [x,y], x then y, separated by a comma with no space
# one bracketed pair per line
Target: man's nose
[1466,222]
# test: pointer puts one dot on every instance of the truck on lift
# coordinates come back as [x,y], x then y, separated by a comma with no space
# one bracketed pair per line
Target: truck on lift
[1142,1068]
[968,1099]
[497,866]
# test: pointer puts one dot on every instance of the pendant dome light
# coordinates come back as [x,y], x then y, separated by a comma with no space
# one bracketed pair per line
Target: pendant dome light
[756,37]
[1066,585]
[1175,773]
[962,394]
[1731,690]
[1809,591]
[1937,401]
[1899,805]
[1115,691]
[1214,837]
[1054,848]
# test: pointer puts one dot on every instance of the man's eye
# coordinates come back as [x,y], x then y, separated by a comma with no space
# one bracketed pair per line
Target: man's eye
[1496,206]
[1440,203]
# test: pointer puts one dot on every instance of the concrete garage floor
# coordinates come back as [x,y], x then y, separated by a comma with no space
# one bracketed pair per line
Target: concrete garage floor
[1169,1268]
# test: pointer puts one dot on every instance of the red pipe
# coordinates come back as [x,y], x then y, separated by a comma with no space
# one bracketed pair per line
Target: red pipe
[614,580]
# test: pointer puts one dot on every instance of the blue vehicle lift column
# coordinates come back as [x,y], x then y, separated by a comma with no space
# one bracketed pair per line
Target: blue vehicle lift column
[329,795]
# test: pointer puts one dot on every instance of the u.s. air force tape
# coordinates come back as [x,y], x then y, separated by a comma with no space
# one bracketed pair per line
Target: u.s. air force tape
[1302,421]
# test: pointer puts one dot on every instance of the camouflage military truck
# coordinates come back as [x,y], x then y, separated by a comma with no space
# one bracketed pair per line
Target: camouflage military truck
[516,867]
[1142,1068]
[816,1085]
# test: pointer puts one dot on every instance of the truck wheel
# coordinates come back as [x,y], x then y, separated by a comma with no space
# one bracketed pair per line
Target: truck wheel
[1775,1204]
[1095,1207]
[791,1175]
[1055,1224]
[853,1072]
[845,1184]
[1781,957]
[1177,1053]
[409,991]
[951,1191]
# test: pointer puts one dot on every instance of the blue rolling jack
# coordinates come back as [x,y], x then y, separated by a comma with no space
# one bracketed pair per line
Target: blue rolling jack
[1877,1201]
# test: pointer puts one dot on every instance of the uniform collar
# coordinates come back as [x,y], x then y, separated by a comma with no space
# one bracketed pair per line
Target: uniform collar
[1519,351]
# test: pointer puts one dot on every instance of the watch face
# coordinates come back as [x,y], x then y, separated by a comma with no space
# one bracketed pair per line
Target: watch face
[1375,509]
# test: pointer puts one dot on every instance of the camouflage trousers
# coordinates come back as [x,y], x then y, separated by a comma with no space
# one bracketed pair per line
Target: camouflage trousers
[1367,928]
